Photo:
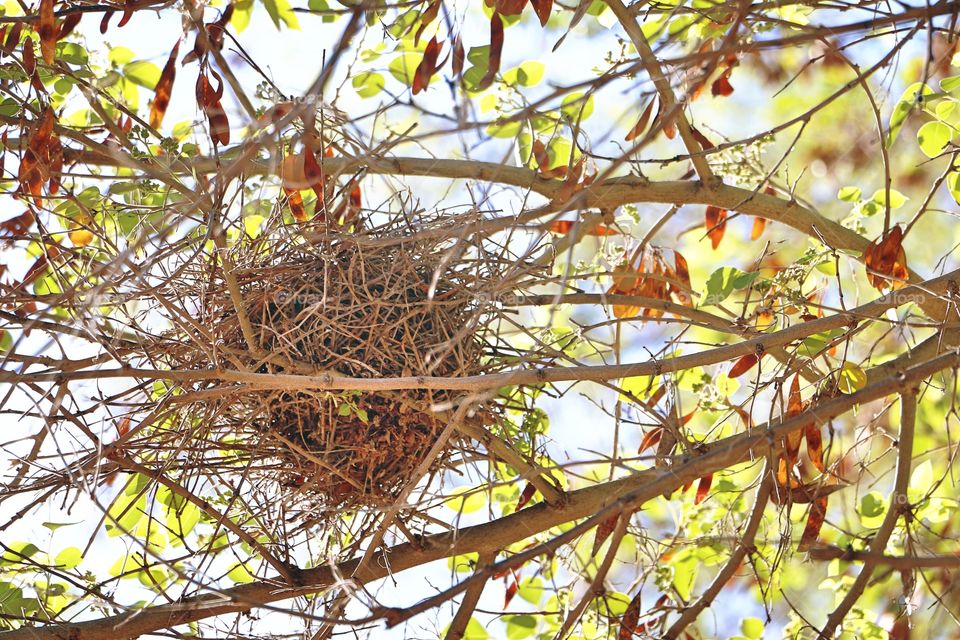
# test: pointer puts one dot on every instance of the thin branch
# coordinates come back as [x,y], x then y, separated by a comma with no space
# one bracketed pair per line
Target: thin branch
[469,603]
[596,585]
[899,505]
[527,469]
[744,547]
[670,108]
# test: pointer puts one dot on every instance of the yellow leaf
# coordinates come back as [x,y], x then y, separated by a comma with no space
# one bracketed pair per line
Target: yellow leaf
[852,378]
[81,237]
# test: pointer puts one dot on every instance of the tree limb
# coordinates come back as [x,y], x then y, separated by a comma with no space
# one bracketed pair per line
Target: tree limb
[926,294]
[591,502]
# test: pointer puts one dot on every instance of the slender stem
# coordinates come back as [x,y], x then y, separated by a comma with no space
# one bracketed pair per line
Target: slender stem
[530,470]
[744,547]
[899,505]
[670,107]
[469,603]
[596,585]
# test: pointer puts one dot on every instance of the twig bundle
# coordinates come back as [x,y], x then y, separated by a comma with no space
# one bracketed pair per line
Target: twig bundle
[409,304]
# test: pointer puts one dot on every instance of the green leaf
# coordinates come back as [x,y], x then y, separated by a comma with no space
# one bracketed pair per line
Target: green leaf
[921,481]
[240,574]
[474,631]
[933,137]
[752,628]
[322,5]
[241,14]
[522,626]
[479,58]
[527,74]
[559,150]
[47,284]
[575,107]
[400,28]
[616,602]
[13,603]
[950,84]
[72,53]
[953,184]
[367,55]
[682,26]
[127,92]
[6,341]
[639,386]
[815,344]
[129,507]
[852,378]
[872,505]
[723,281]
[404,66]
[124,564]
[911,99]
[685,568]
[945,109]
[849,194]
[531,590]
[143,73]
[281,11]
[120,55]
[827,267]
[525,148]
[69,558]
[154,577]
[479,55]
[466,500]
[504,130]
[464,563]
[9,108]
[182,519]
[18,552]
[252,224]
[63,86]
[368,84]
[726,386]
[897,199]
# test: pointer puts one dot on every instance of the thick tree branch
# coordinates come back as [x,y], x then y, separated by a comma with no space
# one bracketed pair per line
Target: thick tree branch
[592,502]
[900,563]
[607,194]
[932,293]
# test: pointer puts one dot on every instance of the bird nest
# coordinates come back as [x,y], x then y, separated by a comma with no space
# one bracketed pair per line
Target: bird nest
[394,302]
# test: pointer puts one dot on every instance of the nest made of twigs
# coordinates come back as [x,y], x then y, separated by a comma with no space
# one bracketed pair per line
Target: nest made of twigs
[409,307]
